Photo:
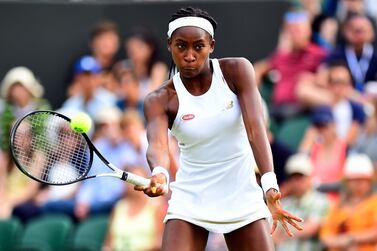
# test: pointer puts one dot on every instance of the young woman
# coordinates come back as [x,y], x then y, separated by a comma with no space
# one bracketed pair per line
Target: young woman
[214,110]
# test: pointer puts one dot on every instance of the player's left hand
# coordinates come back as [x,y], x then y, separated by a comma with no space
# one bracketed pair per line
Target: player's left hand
[280,215]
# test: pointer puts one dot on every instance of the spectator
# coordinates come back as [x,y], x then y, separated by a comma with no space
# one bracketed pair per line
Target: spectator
[136,221]
[96,196]
[280,151]
[349,116]
[22,93]
[337,92]
[327,150]
[133,132]
[351,222]
[325,30]
[143,60]
[366,141]
[358,50]
[58,163]
[304,201]
[312,7]
[18,189]
[129,91]
[296,56]
[104,45]
[324,24]
[91,96]
[364,7]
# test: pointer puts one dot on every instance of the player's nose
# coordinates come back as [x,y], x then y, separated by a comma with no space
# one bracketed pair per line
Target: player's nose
[189,56]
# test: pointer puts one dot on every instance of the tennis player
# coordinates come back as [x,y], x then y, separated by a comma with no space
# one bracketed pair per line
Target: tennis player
[214,110]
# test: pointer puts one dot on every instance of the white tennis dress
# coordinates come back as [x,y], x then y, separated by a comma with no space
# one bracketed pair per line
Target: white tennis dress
[215,185]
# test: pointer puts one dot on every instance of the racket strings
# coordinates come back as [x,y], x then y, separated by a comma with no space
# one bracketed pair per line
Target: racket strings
[49,150]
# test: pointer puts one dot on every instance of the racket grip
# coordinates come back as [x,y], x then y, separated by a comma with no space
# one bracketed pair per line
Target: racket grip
[137,180]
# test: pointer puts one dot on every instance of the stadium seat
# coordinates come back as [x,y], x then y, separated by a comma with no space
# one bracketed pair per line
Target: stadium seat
[273,126]
[90,234]
[46,233]
[266,89]
[10,230]
[292,131]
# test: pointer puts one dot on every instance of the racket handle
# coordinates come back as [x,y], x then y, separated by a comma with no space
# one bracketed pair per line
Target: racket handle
[137,180]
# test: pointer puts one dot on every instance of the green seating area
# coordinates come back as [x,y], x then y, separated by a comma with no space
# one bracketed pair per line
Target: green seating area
[292,131]
[90,234]
[10,232]
[53,233]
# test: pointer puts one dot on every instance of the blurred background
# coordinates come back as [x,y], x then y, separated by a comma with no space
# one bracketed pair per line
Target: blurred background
[66,35]
[316,69]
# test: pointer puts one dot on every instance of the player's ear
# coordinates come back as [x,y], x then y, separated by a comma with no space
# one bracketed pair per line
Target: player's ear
[169,44]
[212,44]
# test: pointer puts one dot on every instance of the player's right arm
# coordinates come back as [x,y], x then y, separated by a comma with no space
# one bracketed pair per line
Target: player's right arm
[155,111]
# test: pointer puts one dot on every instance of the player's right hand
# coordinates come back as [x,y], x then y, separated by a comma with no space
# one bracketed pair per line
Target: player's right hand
[157,187]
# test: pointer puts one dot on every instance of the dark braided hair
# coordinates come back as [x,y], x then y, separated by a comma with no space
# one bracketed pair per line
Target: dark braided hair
[190,12]
[193,12]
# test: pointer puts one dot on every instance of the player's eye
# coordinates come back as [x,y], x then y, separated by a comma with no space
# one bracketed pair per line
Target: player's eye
[199,46]
[180,46]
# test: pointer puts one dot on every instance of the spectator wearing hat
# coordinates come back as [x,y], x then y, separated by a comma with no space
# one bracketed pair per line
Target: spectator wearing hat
[351,222]
[22,93]
[326,149]
[306,202]
[91,96]
[96,196]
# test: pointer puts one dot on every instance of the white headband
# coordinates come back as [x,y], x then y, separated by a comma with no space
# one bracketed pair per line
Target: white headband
[190,21]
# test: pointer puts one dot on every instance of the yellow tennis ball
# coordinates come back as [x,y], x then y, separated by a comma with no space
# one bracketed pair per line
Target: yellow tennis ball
[81,123]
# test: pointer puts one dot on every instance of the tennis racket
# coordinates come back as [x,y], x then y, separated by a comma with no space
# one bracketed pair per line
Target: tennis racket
[45,148]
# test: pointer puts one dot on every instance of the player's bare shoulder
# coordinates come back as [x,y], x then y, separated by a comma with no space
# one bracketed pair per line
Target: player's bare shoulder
[162,100]
[236,71]
[159,97]
[235,65]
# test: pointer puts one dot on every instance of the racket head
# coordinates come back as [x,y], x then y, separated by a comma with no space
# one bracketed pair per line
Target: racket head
[46,149]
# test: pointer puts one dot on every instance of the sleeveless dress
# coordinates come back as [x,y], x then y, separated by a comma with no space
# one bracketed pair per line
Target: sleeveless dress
[215,185]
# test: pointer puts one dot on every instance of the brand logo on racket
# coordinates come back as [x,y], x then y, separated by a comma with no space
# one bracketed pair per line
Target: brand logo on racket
[188,116]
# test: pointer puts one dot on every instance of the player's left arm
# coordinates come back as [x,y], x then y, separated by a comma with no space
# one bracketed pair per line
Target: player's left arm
[241,78]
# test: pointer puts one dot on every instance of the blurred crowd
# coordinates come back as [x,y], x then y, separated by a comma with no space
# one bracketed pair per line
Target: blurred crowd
[320,97]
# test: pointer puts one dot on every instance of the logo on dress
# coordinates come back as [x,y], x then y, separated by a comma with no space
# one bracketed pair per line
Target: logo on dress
[229,105]
[188,116]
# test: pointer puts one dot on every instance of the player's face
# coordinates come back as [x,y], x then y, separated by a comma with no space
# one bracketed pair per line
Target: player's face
[190,48]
